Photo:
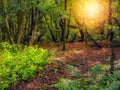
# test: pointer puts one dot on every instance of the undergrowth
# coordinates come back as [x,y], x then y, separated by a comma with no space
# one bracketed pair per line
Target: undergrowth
[98,79]
[20,63]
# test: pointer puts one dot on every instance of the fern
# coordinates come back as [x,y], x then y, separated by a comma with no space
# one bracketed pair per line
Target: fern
[104,82]
[116,75]
[63,84]
[72,71]
[97,69]
[114,86]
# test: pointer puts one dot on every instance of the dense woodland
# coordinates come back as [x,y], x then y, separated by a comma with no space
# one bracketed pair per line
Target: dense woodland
[31,21]
[27,25]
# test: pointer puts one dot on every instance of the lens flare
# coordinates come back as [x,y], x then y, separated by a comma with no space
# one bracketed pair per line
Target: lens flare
[92,9]
[90,12]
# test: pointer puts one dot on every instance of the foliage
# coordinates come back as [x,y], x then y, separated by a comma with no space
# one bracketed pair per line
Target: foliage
[63,84]
[67,84]
[72,71]
[18,17]
[20,63]
[105,81]
[114,86]
[117,75]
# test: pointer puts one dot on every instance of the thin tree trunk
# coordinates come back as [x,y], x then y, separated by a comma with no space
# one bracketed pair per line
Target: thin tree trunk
[64,30]
[22,29]
[92,39]
[111,38]
[22,26]
[52,35]
[34,27]
[68,25]
[102,29]
[32,22]
[7,22]
[82,35]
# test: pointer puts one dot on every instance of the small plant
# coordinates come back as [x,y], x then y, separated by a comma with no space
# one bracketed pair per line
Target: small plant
[96,70]
[63,84]
[67,84]
[114,86]
[105,80]
[116,75]
[98,80]
[73,71]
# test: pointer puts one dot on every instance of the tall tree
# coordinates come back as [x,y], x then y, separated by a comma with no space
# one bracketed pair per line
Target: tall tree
[22,24]
[64,28]
[6,19]
[111,33]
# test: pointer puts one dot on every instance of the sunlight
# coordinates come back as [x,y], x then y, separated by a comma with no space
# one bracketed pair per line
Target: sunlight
[90,12]
[91,9]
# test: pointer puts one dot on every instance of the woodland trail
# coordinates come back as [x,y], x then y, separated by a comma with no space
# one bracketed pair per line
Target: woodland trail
[85,57]
[77,54]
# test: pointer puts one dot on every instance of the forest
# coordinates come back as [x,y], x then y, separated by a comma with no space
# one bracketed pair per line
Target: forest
[59,44]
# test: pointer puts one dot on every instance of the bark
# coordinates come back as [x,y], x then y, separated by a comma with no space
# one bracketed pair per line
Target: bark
[34,26]
[61,23]
[52,35]
[64,30]
[6,17]
[82,35]
[22,26]
[111,38]
[57,30]
[102,28]
[22,29]
[93,39]
[68,26]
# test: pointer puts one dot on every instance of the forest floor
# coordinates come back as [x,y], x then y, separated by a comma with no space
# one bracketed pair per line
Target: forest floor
[77,54]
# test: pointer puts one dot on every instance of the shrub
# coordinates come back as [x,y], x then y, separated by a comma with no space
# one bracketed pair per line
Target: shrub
[114,86]
[20,63]
[98,80]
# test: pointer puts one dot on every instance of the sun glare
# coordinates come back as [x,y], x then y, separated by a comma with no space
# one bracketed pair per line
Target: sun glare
[90,12]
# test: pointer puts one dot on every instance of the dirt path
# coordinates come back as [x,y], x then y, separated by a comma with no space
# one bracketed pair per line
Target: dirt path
[77,54]
[80,55]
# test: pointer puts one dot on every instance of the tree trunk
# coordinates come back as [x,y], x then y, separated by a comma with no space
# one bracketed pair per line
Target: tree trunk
[68,25]
[82,35]
[22,26]
[52,35]
[7,22]
[34,26]
[88,35]
[64,30]
[102,29]
[111,38]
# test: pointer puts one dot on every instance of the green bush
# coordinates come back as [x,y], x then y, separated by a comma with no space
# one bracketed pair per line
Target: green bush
[97,69]
[114,86]
[116,75]
[72,71]
[97,80]
[20,63]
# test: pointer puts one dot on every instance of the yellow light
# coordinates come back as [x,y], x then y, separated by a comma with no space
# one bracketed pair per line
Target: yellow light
[92,10]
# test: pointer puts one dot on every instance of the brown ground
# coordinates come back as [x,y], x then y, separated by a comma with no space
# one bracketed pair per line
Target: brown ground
[77,54]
